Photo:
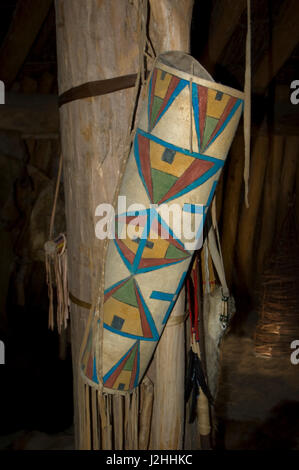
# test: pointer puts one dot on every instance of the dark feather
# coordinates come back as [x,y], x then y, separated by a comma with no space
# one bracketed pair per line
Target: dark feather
[195,380]
[201,380]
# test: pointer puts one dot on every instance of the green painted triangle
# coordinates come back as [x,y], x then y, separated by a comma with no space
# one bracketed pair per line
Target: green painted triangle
[126,293]
[210,125]
[174,253]
[130,362]
[157,103]
[162,182]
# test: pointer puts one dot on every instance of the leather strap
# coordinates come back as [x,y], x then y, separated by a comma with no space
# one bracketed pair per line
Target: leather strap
[79,302]
[97,88]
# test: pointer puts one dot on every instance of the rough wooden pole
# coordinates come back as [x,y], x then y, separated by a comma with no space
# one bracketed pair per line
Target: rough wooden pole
[168,373]
[231,205]
[297,197]
[287,179]
[224,19]
[271,193]
[98,40]
[169,24]
[248,218]
[169,28]
[95,40]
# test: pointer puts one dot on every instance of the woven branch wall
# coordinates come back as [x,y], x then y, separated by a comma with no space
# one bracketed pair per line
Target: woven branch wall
[278,323]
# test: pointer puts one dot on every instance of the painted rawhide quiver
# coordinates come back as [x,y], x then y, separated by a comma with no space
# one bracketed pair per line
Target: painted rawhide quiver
[184,132]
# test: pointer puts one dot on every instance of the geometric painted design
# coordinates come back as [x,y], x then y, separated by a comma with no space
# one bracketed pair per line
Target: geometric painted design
[167,171]
[166,297]
[126,313]
[154,248]
[147,262]
[125,373]
[163,90]
[199,214]
[212,112]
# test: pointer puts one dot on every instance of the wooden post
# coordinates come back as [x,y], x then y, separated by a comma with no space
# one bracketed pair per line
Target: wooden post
[271,192]
[248,218]
[297,198]
[169,24]
[231,205]
[98,40]
[168,372]
[287,179]
[95,40]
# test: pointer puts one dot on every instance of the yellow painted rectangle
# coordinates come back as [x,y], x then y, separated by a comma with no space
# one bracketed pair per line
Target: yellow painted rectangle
[159,249]
[214,107]
[179,165]
[128,313]
[161,86]
[123,378]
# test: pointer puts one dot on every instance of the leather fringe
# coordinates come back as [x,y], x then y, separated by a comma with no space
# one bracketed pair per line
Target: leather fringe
[56,274]
[111,422]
